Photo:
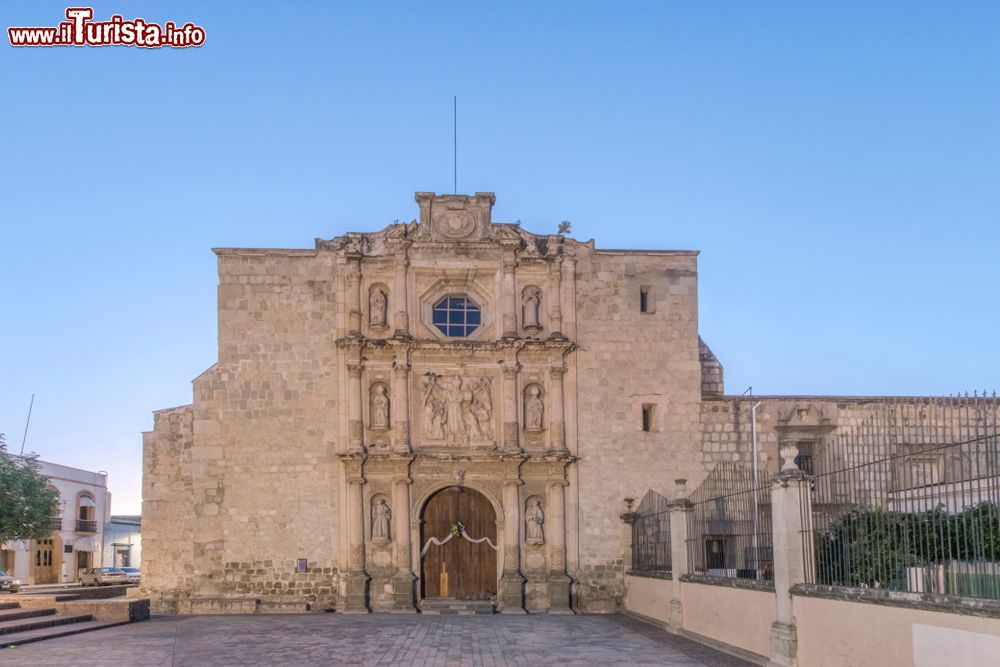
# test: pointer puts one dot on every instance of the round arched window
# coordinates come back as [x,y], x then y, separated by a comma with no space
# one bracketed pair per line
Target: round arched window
[456,316]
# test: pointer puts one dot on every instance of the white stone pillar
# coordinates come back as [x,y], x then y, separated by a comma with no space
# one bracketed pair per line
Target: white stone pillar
[355,398]
[512,582]
[509,297]
[680,512]
[790,503]
[354,296]
[557,425]
[401,407]
[511,431]
[555,536]
[403,579]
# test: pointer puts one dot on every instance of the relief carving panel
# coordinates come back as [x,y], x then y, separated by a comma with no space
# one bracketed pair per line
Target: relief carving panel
[457,411]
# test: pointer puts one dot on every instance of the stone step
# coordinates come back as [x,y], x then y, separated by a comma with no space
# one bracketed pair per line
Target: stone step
[18,614]
[10,605]
[459,607]
[41,622]
[28,636]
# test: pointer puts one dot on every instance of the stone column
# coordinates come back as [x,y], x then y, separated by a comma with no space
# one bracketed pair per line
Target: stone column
[511,432]
[555,535]
[402,580]
[401,320]
[569,295]
[509,297]
[401,407]
[512,582]
[555,298]
[357,577]
[354,296]
[791,507]
[355,398]
[557,426]
[680,513]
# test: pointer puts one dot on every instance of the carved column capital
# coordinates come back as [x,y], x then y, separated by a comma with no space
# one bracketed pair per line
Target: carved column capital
[510,370]
[354,369]
[401,369]
[557,372]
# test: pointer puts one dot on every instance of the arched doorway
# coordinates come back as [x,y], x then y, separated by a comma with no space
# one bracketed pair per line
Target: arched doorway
[471,568]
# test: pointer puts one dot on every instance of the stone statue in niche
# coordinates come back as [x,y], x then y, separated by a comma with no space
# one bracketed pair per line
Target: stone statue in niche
[534,518]
[381,516]
[380,407]
[531,302]
[377,303]
[534,409]
[457,409]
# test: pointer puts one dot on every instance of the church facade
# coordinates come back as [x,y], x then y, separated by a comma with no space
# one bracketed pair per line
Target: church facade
[447,409]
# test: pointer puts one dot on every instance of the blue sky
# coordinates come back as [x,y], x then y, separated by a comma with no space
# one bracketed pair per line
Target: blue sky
[836,164]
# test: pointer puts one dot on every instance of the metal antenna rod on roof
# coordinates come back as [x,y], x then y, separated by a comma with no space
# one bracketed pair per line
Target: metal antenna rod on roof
[28,421]
[454,126]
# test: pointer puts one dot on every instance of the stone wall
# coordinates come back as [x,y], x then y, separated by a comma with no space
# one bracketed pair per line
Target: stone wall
[628,358]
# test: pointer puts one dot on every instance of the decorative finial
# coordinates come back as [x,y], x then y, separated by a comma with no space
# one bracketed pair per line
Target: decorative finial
[564,228]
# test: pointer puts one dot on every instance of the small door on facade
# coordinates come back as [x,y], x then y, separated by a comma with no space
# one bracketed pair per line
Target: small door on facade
[45,562]
[459,569]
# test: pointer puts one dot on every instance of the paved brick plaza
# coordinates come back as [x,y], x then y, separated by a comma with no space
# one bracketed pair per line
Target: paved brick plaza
[222,641]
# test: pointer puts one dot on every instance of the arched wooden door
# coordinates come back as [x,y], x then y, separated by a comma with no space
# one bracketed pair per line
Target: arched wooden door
[471,568]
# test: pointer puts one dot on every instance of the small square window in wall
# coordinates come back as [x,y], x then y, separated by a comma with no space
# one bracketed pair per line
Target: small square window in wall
[648,417]
[647,303]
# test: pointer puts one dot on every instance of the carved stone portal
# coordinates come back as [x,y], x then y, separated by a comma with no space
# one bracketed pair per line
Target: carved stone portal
[457,410]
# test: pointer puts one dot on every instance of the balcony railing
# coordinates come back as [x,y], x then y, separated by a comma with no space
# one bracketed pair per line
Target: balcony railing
[55,522]
[86,526]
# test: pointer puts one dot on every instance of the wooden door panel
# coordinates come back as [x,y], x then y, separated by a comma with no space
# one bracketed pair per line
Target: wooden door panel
[472,568]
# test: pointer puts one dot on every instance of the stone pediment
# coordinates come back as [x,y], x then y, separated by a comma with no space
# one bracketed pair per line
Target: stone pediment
[807,416]
[453,220]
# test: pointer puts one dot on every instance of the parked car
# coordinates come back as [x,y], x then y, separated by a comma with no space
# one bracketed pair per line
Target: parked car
[131,575]
[102,576]
[9,583]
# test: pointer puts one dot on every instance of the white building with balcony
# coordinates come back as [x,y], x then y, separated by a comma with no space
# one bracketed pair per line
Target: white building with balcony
[78,522]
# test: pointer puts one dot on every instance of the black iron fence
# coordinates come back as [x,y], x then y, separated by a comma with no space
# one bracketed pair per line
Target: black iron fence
[651,535]
[729,527]
[909,500]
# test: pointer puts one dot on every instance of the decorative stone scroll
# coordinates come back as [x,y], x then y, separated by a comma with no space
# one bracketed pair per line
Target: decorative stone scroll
[457,410]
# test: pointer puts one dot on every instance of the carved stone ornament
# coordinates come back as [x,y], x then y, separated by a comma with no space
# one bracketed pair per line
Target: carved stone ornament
[379,414]
[534,409]
[381,520]
[377,306]
[534,519]
[530,305]
[457,410]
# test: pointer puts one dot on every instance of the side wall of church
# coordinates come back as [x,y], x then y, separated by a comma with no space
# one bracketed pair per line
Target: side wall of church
[168,515]
[628,358]
[263,482]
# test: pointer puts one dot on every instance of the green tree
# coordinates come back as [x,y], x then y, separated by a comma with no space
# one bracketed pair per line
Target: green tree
[26,500]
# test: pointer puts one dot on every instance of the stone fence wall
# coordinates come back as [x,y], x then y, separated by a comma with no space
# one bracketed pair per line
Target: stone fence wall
[782,620]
